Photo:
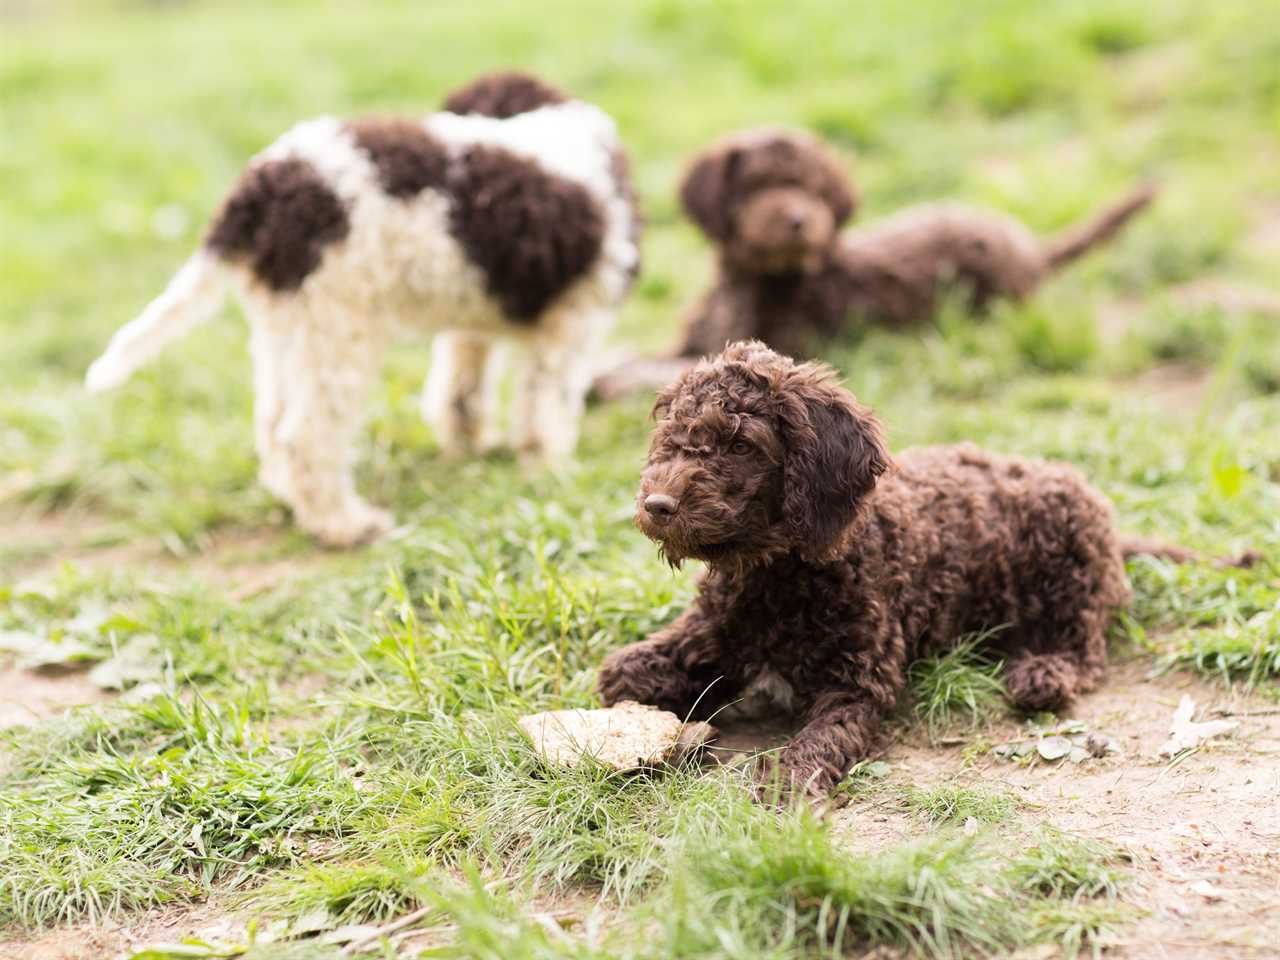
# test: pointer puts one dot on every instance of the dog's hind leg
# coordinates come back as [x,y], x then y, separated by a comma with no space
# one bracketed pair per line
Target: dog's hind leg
[551,396]
[270,351]
[308,458]
[458,399]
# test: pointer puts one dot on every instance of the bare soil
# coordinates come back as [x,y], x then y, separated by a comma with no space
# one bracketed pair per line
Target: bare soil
[116,939]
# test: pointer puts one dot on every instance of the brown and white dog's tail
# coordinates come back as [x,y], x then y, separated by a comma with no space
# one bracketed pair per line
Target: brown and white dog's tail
[1079,238]
[192,296]
[1131,547]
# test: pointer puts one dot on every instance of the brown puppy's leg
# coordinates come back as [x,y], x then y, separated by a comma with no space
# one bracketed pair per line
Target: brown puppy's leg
[1041,681]
[674,669]
[840,729]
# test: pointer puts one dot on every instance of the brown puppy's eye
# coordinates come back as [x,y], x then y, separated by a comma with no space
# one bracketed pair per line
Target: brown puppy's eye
[740,447]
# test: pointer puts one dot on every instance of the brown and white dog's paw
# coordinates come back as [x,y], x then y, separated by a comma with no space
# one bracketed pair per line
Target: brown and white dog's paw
[360,525]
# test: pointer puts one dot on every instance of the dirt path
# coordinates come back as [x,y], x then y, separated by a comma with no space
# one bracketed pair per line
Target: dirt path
[113,939]
[1212,817]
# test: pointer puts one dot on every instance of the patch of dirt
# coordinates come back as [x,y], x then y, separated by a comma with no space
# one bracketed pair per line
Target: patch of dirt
[1175,387]
[242,562]
[1211,293]
[1264,238]
[1213,816]
[112,939]
[1115,318]
[27,696]
[1145,78]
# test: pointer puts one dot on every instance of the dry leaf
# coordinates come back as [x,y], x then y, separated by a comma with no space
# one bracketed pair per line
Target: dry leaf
[1184,734]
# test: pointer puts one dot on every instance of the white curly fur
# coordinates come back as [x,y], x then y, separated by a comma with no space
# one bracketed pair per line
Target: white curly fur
[398,272]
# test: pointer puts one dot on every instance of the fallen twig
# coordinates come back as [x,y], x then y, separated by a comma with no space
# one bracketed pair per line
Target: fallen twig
[408,920]
[1262,712]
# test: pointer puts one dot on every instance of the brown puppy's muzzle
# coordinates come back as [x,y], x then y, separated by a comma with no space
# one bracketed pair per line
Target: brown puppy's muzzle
[679,507]
[782,230]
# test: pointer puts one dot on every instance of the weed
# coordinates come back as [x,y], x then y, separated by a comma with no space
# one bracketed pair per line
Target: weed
[959,686]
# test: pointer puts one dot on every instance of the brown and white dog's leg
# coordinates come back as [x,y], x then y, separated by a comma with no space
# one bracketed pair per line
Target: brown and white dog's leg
[456,400]
[551,395]
[324,386]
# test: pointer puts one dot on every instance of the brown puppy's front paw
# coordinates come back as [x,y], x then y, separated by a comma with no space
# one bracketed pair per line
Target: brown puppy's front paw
[642,672]
[776,782]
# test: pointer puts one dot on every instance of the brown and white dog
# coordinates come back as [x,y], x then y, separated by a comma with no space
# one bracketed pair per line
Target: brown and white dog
[506,217]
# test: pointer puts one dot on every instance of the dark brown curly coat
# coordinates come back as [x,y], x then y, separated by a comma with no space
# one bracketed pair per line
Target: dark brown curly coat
[773,202]
[832,567]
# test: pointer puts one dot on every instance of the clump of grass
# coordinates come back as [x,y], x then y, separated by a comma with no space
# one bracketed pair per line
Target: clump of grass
[1248,654]
[961,686]
[1054,340]
[953,804]
[346,892]
[784,889]
[1062,866]
[214,801]
[467,790]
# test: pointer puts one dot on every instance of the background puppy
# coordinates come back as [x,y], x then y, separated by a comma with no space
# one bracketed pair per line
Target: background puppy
[773,202]
[831,567]
[341,236]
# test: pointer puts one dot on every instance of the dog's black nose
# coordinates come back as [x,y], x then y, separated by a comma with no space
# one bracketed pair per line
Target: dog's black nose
[660,507]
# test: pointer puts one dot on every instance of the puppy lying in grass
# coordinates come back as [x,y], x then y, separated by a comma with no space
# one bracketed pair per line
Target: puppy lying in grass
[773,201]
[832,566]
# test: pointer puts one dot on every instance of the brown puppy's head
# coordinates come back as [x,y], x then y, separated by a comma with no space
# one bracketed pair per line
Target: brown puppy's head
[754,456]
[772,198]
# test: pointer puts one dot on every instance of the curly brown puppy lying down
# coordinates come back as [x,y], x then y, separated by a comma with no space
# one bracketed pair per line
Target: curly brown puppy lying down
[773,202]
[832,566]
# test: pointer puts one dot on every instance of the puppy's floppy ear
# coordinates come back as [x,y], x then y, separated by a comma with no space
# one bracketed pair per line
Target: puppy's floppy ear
[707,189]
[835,452]
[833,183]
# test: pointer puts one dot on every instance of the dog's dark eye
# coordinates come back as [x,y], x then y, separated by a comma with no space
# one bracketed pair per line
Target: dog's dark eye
[740,447]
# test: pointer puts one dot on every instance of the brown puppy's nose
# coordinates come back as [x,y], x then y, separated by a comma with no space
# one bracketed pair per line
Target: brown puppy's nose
[660,507]
[796,221]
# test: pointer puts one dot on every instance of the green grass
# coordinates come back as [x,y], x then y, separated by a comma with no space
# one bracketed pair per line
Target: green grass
[961,686]
[952,804]
[340,740]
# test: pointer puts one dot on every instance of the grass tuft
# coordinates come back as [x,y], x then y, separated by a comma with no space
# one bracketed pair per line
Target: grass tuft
[959,687]
[953,804]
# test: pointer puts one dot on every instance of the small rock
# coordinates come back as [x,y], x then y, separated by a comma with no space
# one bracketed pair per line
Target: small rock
[1207,890]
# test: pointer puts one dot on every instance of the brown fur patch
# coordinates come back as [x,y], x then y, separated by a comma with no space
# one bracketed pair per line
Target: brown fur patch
[531,232]
[280,216]
[408,158]
[504,95]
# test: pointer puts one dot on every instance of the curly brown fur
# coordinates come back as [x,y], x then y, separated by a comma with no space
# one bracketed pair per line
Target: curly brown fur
[773,202]
[830,569]
[407,157]
[504,94]
[532,233]
[279,217]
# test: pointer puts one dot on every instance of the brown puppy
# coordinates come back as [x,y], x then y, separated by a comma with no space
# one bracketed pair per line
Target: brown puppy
[831,567]
[774,201]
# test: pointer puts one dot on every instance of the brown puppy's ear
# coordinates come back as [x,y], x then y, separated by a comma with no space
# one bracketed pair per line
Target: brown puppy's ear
[835,452]
[833,184]
[706,190]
